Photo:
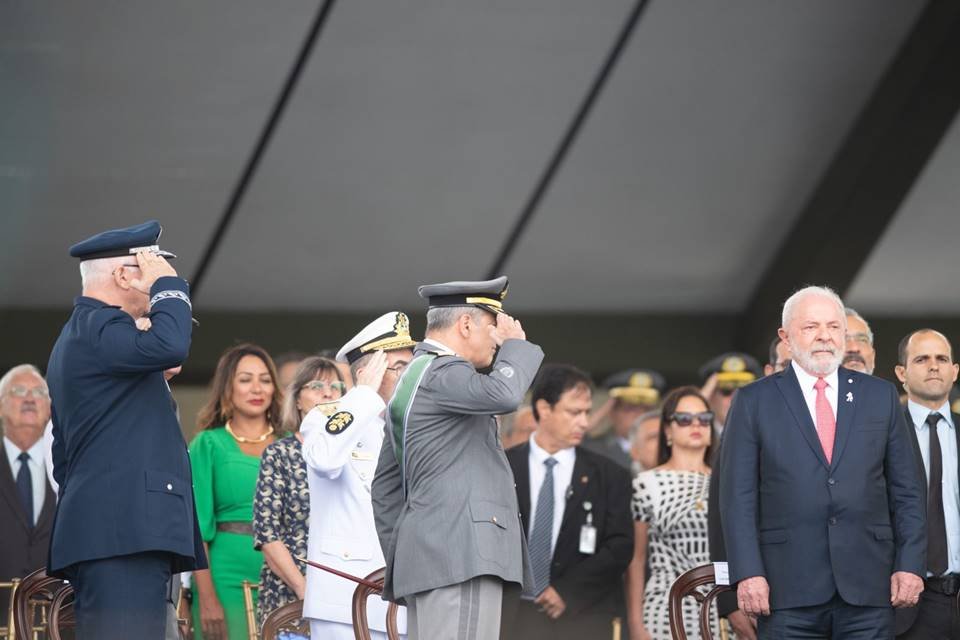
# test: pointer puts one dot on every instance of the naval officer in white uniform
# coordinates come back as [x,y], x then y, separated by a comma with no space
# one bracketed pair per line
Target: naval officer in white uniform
[341,453]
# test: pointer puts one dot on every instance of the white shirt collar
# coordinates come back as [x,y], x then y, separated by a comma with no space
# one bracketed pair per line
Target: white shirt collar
[807,381]
[13,452]
[445,350]
[539,454]
[919,414]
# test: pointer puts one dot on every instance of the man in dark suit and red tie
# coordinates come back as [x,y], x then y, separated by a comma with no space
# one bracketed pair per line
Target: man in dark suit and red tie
[821,499]
[927,370]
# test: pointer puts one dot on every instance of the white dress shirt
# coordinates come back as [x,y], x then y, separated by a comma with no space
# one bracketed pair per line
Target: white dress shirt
[38,472]
[807,383]
[562,474]
[946,430]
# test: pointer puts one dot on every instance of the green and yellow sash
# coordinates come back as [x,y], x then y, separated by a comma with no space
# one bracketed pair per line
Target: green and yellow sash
[398,410]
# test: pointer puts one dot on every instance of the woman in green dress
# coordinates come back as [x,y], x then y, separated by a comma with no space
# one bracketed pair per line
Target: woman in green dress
[238,422]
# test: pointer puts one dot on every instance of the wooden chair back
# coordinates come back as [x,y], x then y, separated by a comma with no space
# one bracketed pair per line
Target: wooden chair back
[61,612]
[37,590]
[688,585]
[288,617]
[361,628]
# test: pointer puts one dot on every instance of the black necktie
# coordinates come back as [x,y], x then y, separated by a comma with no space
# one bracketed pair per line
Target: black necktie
[25,485]
[936,523]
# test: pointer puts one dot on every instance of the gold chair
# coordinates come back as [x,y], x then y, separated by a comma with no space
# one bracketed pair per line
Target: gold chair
[7,631]
[248,588]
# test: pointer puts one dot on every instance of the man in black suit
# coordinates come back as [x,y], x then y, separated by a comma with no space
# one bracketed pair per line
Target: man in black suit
[27,502]
[575,509]
[927,371]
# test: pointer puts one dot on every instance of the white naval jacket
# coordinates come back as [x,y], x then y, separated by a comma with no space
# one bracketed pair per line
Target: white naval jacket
[341,459]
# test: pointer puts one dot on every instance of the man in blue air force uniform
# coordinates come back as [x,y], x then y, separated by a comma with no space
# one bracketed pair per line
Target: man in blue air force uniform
[125,518]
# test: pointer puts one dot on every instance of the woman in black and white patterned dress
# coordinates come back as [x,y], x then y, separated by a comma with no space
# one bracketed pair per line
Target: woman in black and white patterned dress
[281,504]
[670,510]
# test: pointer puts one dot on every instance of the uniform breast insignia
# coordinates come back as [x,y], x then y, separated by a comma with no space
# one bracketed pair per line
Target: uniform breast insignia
[339,421]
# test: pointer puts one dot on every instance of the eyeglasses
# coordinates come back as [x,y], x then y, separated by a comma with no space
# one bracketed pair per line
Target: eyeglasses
[22,392]
[862,338]
[398,368]
[685,419]
[321,385]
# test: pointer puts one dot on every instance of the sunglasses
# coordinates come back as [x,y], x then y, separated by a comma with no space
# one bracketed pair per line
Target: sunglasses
[685,419]
[321,385]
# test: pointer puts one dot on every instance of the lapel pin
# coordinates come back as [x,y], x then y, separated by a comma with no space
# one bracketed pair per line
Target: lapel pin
[850,380]
[583,479]
[849,396]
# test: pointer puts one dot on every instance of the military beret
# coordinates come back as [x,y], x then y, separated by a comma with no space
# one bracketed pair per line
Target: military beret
[487,295]
[636,386]
[733,370]
[121,242]
[389,332]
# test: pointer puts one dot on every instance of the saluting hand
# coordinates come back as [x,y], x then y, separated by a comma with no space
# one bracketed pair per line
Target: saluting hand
[371,374]
[506,328]
[152,267]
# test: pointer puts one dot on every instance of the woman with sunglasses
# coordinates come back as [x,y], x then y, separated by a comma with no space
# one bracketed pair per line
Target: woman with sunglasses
[281,505]
[670,510]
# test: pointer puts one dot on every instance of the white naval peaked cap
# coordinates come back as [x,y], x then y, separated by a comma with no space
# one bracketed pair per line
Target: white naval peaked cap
[389,332]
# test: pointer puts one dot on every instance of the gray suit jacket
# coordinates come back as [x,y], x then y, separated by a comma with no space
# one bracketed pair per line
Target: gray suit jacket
[460,517]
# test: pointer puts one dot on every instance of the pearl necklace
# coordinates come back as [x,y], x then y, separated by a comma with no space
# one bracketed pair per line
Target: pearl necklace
[243,440]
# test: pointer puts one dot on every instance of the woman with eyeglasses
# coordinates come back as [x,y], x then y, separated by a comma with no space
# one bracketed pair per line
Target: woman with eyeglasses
[281,505]
[670,510]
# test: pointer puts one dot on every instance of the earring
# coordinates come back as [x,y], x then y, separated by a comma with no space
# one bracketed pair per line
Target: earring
[669,442]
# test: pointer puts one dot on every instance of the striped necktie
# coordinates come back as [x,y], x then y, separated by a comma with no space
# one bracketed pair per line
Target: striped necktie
[541,538]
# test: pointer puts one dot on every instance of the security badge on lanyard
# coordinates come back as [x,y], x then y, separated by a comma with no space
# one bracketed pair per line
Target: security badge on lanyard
[588,533]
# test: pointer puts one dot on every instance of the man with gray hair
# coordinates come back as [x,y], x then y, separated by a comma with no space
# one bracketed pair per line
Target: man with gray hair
[645,442]
[821,497]
[443,494]
[860,354]
[26,513]
[126,518]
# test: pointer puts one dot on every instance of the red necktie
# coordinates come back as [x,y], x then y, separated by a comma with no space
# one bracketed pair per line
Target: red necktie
[826,422]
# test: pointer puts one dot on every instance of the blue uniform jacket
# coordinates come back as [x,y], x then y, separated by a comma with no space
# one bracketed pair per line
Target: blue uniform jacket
[118,453]
[812,528]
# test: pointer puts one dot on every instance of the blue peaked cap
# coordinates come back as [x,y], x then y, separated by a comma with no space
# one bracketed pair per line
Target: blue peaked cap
[121,242]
